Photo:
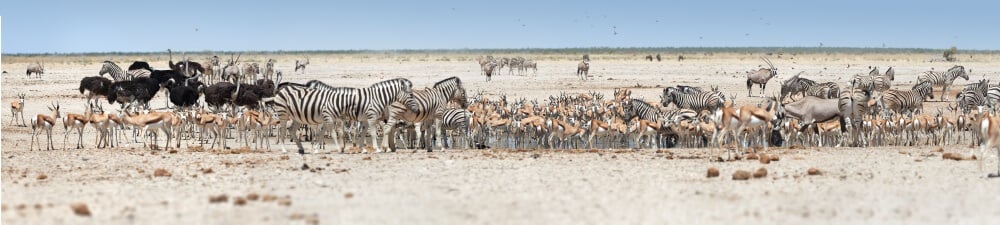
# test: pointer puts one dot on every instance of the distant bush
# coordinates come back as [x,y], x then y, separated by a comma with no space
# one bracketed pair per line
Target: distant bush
[949,54]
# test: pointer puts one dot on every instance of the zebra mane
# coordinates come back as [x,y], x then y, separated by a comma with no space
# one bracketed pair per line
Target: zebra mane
[316,84]
[450,80]
[391,82]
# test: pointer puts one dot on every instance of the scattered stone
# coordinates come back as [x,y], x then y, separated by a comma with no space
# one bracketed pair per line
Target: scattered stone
[160,172]
[253,197]
[938,149]
[43,176]
[765,159]
[218,198]
[240,201]
[172,151]
[741,175]
[814,171]
[760,173]
[535,155]
[284,157]
[268,198]
[713,172]
[207,170]
[305,167]
[286,201]
[348,195]
[80,209]
[367,158]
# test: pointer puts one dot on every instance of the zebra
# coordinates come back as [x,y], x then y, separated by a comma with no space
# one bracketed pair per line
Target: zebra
[944,79]
[853,106]
[269,69]
[455,120]
[301,65]
[795,85]
[875,81]
[117,74]
[707,100]
[424,107]
[639,109]
[371,103]
[909,101]
[824,90]
[302,105]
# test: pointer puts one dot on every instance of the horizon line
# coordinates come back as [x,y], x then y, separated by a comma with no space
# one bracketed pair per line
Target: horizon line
[471,50]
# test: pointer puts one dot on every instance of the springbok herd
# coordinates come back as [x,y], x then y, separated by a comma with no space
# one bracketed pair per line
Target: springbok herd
[215,105]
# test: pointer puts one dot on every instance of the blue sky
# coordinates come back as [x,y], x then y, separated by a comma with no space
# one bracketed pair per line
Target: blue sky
[44,26]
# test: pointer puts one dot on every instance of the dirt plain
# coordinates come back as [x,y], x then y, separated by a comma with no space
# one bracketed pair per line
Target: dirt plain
[885,185]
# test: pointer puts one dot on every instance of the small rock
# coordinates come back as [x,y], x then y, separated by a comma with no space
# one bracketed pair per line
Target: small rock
[286,201]
[713,172]
[348,195]
[741,175]
[218,198]
[813,171]
[535,155]
[268,198]
[367,158]
[80,209]
[765,159]
[43,176]
[160,172]
[938,149]
[760,173]
[240,201]
[253,197]
[305,167]
[207,170]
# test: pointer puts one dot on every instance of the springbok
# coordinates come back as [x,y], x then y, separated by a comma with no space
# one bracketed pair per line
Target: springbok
[103,124]
[152,121]
[760,77]
[17,109]
[45,122]
[76,122]
[989,131]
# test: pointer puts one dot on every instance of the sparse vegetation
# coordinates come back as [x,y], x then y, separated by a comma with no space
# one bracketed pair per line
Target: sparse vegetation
[949,54]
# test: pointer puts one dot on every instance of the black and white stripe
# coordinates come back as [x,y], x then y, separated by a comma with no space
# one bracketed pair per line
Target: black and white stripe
[944,78]
[116,72]
[639,108]
[874,81]
[826,90]
[706,100]
[424,107]
[795,85]
[908,101]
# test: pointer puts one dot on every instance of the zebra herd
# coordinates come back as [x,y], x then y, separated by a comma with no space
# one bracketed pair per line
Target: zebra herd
[490,65]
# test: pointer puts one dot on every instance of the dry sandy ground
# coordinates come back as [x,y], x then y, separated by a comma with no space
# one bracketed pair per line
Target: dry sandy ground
[910,185]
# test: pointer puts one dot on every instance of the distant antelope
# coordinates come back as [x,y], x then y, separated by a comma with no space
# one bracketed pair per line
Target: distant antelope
[582,68]
[269,69]
[17,109]
[761,76]
[301,65]
[45,122]
[35,68]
